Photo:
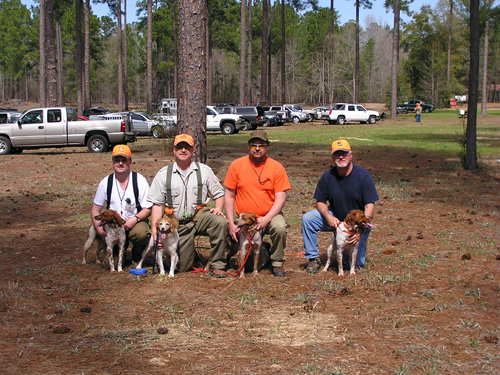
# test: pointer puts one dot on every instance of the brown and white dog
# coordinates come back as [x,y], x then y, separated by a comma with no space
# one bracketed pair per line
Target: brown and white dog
[249,238]
[115,235]
[355,222]
[166,228]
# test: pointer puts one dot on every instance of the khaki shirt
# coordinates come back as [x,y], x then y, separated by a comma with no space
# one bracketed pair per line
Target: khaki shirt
[185,189]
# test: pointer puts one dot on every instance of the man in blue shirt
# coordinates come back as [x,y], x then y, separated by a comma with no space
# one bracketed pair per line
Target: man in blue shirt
[345,187]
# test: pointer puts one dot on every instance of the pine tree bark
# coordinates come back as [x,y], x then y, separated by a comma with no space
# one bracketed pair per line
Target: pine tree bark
[395,60]
[80,71]
[149,59]
[450,32]
[263,62]
[192,87]
[249,82]
[356,69]
[283,51]
[87,102]
[42,70]
[470,161]
[484,93]
[60,67]
[243,48]
[120,54]
[125,58]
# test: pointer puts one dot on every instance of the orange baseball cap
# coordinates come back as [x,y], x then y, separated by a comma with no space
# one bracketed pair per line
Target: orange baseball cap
[122,150]
[184,138]
[340,144]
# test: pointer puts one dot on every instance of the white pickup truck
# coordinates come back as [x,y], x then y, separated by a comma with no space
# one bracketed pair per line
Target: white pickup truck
[58,127]
[343,112]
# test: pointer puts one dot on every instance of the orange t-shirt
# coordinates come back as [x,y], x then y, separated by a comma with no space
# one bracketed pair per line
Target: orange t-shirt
[251,195]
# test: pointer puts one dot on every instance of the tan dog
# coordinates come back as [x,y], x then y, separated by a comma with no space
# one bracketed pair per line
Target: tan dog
[115,235]
[249,238]
[166,227]
[355,222]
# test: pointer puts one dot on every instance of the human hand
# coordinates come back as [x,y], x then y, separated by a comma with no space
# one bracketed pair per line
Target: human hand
[263,222]
[130,223]
[153,234]
[101,232]
[232,231]
[332,221]
[217,212]
[354,238]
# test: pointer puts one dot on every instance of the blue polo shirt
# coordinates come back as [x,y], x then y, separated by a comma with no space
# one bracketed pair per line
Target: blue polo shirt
[348,193]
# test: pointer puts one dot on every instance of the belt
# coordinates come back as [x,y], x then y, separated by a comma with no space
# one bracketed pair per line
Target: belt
[185,221]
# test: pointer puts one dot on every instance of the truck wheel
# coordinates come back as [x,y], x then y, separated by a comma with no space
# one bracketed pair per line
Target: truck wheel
[227,128]
[372,120]
[247,126]
[296,120]
[405,111]
[309,117]
[97,143]
[341,120]
[427,110]
[266,123]
[5,146]
[158,131]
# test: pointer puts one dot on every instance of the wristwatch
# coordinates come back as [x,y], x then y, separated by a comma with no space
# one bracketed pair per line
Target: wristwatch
[137,217]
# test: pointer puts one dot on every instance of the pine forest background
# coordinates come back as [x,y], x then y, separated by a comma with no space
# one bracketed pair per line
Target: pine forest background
[320,60]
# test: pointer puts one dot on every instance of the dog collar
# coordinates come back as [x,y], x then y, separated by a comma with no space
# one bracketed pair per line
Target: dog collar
[344,229]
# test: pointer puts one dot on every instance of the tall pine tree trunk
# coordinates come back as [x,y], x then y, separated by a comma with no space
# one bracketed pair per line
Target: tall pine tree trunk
[86,61]
[484,94]
[470,160]
[356,69]
[192,87]
[42,70]
[120,55]
[242,51]
[50,47]
[283,75]
[249,82]
[450,32]
[395,60]
[80,72]
[60,67]
[149,59]
[263,61]
[125,57]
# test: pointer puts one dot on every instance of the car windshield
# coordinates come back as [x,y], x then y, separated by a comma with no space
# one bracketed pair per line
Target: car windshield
[217,110]
[147,115]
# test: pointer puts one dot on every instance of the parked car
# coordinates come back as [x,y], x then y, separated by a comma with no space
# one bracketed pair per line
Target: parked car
[87,112]
[58,127]
[9,117]
[299,108]
[280,111]
[411,104]
[142,123]
[273,119]
[225,122]
[320,112]
[253,115]
[343,112]
[297,116]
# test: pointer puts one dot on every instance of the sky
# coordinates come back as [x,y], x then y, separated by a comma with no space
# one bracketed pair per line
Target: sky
[345,8]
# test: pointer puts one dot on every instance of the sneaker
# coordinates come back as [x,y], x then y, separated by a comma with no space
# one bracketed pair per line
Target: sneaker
[313,266]
[279,271]
[219,274]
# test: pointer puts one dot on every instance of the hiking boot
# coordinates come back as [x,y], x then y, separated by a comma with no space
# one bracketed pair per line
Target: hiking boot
[313,266]
[279,271]
[218,274]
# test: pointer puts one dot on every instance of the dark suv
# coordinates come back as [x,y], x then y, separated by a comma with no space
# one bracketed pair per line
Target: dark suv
[253,115]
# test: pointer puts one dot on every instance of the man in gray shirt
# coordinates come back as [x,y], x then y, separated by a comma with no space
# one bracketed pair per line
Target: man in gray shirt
[183,189]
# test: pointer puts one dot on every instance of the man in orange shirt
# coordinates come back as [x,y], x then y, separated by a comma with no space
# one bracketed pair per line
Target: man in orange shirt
[258,184]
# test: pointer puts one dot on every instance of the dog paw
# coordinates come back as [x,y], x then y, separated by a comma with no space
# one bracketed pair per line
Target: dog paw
[171,275]
[112,270]
[341,273]
[324,269]
[255,273]
[120,270]
[84,262]
[352,273]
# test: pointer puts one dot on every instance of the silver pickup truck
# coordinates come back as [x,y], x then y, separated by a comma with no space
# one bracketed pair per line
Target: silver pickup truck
[58,127]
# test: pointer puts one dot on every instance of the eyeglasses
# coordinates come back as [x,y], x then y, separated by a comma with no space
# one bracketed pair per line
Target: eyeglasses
[340,153]
[119,159]
[258,147]
[183,147]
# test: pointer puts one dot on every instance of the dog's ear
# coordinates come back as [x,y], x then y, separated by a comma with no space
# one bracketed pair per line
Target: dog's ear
[174,224]
[350,219]
[253,217]
[117,219]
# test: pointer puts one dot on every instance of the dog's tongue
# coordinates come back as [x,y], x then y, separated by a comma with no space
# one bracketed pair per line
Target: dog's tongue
[102,223]
[369,225]
[237,229]
[163,236]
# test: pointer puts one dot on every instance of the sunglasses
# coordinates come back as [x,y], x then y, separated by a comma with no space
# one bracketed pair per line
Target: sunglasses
[257,147]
